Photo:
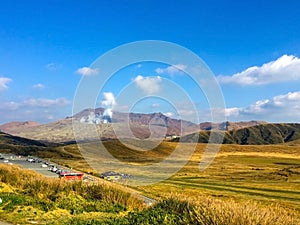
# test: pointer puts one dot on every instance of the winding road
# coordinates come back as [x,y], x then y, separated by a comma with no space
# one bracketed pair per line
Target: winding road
[22,161]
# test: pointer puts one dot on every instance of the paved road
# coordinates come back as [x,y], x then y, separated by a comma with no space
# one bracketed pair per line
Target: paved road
[22,161]
[12,159]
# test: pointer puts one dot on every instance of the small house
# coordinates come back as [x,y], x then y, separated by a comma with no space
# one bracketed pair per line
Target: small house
[111,175]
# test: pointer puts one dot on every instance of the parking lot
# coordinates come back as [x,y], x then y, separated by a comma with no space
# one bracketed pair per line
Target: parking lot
[35,165]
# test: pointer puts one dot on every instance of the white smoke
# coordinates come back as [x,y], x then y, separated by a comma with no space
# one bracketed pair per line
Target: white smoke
[108,102]
[92,118]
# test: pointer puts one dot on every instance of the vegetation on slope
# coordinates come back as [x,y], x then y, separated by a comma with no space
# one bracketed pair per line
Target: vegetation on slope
[255,135]
[19,145]
[30,198]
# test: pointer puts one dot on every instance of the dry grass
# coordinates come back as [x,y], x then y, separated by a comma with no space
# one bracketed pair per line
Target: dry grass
[28,196]
[244,184]
[34,198]
[208,210]
[267,173]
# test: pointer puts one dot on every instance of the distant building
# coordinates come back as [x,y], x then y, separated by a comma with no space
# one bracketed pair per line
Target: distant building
[171,136]
[111,175]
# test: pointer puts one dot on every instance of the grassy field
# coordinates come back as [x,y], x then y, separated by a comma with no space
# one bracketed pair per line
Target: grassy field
[268,174]
[265,173]
[29,198]
[262,180]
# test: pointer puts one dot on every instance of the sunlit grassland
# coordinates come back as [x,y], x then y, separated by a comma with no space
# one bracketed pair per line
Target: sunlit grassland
[29,198]
[269,174]
[243,185]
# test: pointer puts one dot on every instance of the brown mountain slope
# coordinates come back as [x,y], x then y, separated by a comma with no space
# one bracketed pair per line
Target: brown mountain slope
[123,124]
[13,127]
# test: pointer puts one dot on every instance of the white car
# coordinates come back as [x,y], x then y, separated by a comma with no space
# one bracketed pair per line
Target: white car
[5,161]
[44,165]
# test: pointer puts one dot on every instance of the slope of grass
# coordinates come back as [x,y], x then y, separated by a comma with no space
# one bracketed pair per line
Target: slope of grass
[256,135]
[29,198]
[268,173]
[252,183]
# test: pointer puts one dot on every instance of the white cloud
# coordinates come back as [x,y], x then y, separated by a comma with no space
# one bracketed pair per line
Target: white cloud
[35,102]
[87,71]
[38,86]
[281,108]
[286,68]
[155,105]
[43,102]
[9,105]
[171,70]
[3,83]
[52,66]
[169,114]
[149,85]
[232,111]
[37,109]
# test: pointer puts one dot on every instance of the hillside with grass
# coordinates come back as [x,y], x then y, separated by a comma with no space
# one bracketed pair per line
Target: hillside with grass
[19,145]
[255,135]
[245,184]
[29,198]
[23,146]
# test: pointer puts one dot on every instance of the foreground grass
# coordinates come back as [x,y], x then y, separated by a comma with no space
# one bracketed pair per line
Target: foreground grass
[30,198]
[265,173]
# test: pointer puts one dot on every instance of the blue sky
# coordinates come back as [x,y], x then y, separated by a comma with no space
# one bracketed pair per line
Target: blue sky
[252,47]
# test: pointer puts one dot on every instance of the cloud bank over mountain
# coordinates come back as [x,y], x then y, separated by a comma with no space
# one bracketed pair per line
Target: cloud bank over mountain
[284,69]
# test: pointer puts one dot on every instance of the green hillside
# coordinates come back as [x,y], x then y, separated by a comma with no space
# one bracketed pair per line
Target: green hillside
[14,140]
[23,146]
[255,135]
[19,145]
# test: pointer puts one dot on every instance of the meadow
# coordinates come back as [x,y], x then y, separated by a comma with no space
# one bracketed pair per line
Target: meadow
[264,173]
[245,184]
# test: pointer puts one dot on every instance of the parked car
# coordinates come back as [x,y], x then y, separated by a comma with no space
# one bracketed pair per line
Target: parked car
[44,165]
[31,160]
[53,169]
[87,179]
[58,171]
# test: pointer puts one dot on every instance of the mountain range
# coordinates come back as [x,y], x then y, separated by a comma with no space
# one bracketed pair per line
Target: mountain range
[142,126]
